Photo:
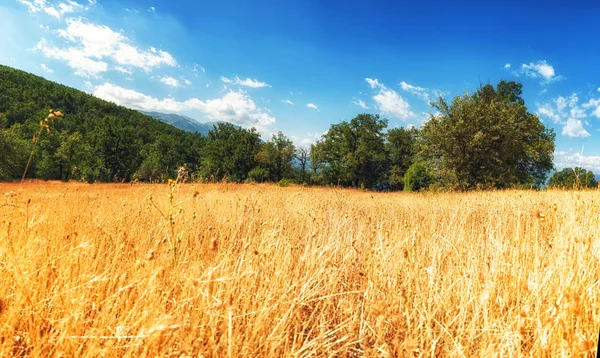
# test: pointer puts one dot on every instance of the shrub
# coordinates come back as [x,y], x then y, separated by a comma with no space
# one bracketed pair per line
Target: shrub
[258,175]
[416,177]
[284,183]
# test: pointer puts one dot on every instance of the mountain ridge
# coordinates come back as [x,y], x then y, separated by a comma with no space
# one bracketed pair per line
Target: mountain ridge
[183,122]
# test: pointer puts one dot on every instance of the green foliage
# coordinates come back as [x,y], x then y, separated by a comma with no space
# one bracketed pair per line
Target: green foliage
[14,151]
[352,153]
[573,178]
[417,177]
[258,175]
[96,140]
[488,139]
[402,148]
[284,183]
[229,153]
[276,157]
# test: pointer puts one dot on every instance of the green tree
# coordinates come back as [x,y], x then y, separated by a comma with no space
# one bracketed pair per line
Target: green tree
[229,152]
[14,151]
[353,153]
[402,148]
[417,177]
[276,157]
[488,139]
[573,178]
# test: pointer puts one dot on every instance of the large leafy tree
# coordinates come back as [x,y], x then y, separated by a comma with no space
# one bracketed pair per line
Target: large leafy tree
[402,148]
[229,152]
[573,178]
[353,153]
[13,151]
[276,156]
[488,139]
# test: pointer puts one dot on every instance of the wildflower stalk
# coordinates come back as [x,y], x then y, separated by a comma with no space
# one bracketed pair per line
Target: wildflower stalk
[44,124]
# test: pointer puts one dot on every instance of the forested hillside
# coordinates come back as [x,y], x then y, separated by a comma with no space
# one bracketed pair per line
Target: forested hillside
[95,141]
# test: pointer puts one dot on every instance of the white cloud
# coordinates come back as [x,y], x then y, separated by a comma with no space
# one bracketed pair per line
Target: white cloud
[152,9]
[234,107]
[94,45]
[374,83]
[560,109]
[54,10]
[246,83]
[312,105]
[170,81]
[287,101]
[360,103]
[123,70]
[507,66]
[570,159]
[389,101]
[187,82]
[46,69]
[594,106]
[197,68]
[421,92]
[574,129]
[540,69]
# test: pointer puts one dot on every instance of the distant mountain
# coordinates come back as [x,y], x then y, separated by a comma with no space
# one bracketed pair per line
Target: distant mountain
[183,122]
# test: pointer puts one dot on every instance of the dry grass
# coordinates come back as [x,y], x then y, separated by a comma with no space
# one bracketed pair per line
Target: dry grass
[91,270]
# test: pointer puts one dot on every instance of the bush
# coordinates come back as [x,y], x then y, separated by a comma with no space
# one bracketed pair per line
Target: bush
[416,177]
[258,175]
[284,183]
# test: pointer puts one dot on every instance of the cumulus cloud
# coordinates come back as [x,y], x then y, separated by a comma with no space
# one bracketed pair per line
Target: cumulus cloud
[248,82]
[235,106]
[540,69]
[91,47]
[170,81]
[312,105]
[567,112]
[287,101]
[560,109]
[571,159]
[55,10]
[389,101]
[593,105]
[507,66]
[574,129]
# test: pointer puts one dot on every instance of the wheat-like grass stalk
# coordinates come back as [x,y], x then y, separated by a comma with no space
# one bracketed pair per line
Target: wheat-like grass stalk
[44,124]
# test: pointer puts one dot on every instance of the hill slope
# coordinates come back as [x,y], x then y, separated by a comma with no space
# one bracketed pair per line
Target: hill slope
[183,122]
[96,139]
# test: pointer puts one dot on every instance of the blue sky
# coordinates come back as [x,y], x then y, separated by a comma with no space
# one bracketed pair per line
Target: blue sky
[299,66]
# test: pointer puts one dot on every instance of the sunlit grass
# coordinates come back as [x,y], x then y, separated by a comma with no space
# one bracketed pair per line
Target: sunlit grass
[89,270]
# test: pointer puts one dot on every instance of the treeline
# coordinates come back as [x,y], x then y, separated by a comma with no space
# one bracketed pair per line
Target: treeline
[486,139]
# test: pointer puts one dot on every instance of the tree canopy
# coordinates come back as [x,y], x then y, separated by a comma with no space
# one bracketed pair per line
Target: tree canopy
[573,178]
[488,139]
[353,153]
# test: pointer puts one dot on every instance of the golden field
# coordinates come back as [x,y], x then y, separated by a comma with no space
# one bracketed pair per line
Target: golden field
[249,270]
